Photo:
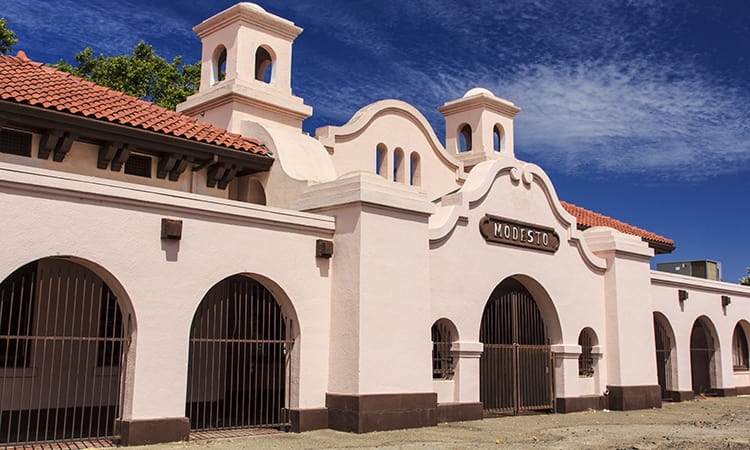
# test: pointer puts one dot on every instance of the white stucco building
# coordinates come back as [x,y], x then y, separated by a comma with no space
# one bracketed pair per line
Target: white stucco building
[168,273]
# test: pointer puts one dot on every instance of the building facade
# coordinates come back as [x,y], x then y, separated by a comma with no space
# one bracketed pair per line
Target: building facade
[170,273]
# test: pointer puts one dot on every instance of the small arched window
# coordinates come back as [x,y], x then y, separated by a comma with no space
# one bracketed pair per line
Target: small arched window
[398,166]
[415,178]
[443,335]
[381,158]
[219,69]
[263,65]
[586,340]
[498,138]
[464,139]
[739,349]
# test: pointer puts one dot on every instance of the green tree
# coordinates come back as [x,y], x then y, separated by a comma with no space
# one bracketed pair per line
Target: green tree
[143,74]
[746,280]
[7,37]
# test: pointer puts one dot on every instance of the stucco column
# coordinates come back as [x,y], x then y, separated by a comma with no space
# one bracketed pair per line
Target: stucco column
[467,356]
[631,362]
[380,363]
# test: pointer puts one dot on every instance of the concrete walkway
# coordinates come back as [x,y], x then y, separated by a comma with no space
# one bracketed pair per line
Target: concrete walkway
[700,424]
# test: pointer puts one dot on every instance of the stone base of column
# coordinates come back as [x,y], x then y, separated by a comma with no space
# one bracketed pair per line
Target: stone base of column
[681,396]
[626,398]
[377,412]
[583,403]
[154,431]
[308,419]
[457,412]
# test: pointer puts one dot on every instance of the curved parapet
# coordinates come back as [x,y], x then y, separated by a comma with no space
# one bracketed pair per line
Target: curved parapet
[300,156]
[330,135]
[455,207]
[300,161]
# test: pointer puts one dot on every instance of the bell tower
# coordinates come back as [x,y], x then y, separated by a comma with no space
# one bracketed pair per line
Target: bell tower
[246,68]
[479,126]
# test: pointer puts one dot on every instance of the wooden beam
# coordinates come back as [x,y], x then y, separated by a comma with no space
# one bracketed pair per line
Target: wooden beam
[165,165]
[179,167]
[122,155]
[63,146]
[107,153]
[48,143]
[215,173]
[229,175]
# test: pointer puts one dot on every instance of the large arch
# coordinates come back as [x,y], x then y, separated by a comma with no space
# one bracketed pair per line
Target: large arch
[704,352]
[666,356]
[67,325]
[516,367]
[241,356]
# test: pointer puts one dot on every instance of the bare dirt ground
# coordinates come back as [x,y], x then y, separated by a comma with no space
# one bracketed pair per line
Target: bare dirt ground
[713,423]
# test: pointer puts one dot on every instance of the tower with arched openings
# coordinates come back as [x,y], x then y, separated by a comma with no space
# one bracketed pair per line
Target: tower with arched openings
[246,70]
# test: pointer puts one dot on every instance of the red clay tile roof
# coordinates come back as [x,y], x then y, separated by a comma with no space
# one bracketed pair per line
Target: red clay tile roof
[25,81]
[587,219]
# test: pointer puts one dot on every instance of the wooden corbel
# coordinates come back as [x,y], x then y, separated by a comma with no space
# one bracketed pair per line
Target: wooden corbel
[48,143]
[63,146]
[121,156]
[215,173]
[229,175]
[165,165]
[107,153]
[178,168]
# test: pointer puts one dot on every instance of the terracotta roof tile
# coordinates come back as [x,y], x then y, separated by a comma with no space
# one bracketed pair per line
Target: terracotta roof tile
[587,219]
[31,83]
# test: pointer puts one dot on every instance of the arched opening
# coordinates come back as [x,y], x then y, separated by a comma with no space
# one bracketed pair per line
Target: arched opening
[240,344]
[443,334]
[587,340]
[64,338]
[263,65]
[464,139]
[498,138]
[739,349]
[247,189]
[381,158]
[666,356]
[516,372]
[219,65]
[398,165]
[415,177]
[703,347]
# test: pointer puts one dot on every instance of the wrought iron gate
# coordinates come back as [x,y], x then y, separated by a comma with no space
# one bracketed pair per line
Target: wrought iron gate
[663,357]
[63,349]
[701,356]
[516,367]
[239,358]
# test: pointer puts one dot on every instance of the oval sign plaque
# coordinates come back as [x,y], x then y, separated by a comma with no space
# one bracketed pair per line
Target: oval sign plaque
[521,234]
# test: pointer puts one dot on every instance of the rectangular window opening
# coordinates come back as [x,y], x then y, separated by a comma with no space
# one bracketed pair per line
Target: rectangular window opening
[15,142]
[139,165]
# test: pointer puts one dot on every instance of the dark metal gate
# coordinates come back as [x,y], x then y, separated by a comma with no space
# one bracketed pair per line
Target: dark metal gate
[516,367]
[239,359]
[62,355]
[701,355]
[663,357]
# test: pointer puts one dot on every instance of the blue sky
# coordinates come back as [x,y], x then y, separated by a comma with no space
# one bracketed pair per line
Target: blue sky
[637,109]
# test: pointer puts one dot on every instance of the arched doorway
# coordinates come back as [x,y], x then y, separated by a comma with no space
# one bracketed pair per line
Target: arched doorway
[63,349]
[702,352]
[665,355]
[516,366]
[239,358]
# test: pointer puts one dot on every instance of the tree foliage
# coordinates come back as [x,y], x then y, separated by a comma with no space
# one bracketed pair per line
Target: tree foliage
[746,280]
[143,74]
[7,37]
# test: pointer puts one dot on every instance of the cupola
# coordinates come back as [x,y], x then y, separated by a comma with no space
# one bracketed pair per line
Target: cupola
[246,69]
[479,126]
